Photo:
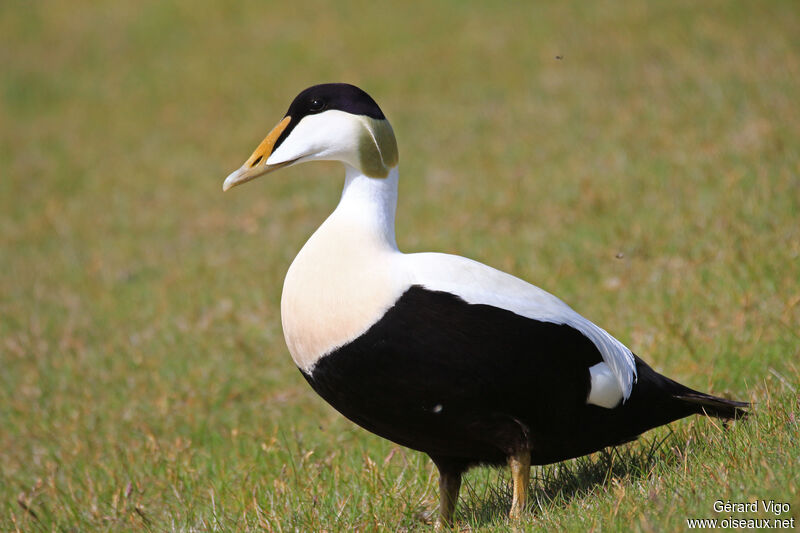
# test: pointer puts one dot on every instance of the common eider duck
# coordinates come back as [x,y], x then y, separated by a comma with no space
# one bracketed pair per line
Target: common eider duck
[437,352]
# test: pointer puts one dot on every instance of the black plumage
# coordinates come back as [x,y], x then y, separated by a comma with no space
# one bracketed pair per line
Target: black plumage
[471,383]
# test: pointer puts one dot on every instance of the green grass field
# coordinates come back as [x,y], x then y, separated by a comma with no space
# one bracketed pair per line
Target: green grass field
[641,161]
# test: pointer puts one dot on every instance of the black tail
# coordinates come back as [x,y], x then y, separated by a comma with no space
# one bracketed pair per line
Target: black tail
[655,400]
[714,406]
[689,400]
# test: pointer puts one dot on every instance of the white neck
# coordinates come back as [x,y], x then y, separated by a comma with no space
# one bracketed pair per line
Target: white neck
[370,205]
[344,278]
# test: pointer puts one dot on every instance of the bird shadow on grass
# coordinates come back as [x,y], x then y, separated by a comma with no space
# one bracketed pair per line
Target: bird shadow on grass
[557,485]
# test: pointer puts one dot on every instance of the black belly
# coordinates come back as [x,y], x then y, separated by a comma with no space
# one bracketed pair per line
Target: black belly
[474,383]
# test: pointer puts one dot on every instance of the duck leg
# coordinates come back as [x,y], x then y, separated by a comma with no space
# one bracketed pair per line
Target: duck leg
[449,484]
[520,463]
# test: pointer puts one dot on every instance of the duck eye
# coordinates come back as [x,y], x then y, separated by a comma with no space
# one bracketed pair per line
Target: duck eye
[316,104]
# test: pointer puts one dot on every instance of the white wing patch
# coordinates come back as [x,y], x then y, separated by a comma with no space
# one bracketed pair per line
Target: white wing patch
[605,390]
[477,283]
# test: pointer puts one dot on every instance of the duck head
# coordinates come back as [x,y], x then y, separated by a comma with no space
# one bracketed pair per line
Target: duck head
[328,122]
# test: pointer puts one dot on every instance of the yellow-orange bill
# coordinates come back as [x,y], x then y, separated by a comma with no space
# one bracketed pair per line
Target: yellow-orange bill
[256,165]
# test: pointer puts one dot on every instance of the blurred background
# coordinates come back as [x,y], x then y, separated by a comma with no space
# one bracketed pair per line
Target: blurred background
[640,161]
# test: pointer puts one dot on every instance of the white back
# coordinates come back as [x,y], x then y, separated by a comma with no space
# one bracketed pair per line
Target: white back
[477,283]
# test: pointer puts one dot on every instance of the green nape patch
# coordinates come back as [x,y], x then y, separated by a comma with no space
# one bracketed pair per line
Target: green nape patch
[649,178]
[377,147]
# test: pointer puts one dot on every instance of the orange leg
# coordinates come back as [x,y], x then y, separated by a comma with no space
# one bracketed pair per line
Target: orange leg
[520,464]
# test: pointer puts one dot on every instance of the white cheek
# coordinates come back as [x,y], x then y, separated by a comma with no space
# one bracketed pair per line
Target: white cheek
[329,135]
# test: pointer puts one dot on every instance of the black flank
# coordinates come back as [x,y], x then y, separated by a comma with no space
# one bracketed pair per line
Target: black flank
[471,384]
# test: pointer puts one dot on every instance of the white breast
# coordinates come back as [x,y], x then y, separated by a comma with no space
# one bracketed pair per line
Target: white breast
[319,314]
[346,276]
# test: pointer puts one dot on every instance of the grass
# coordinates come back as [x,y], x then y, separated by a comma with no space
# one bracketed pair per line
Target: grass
[649,177]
